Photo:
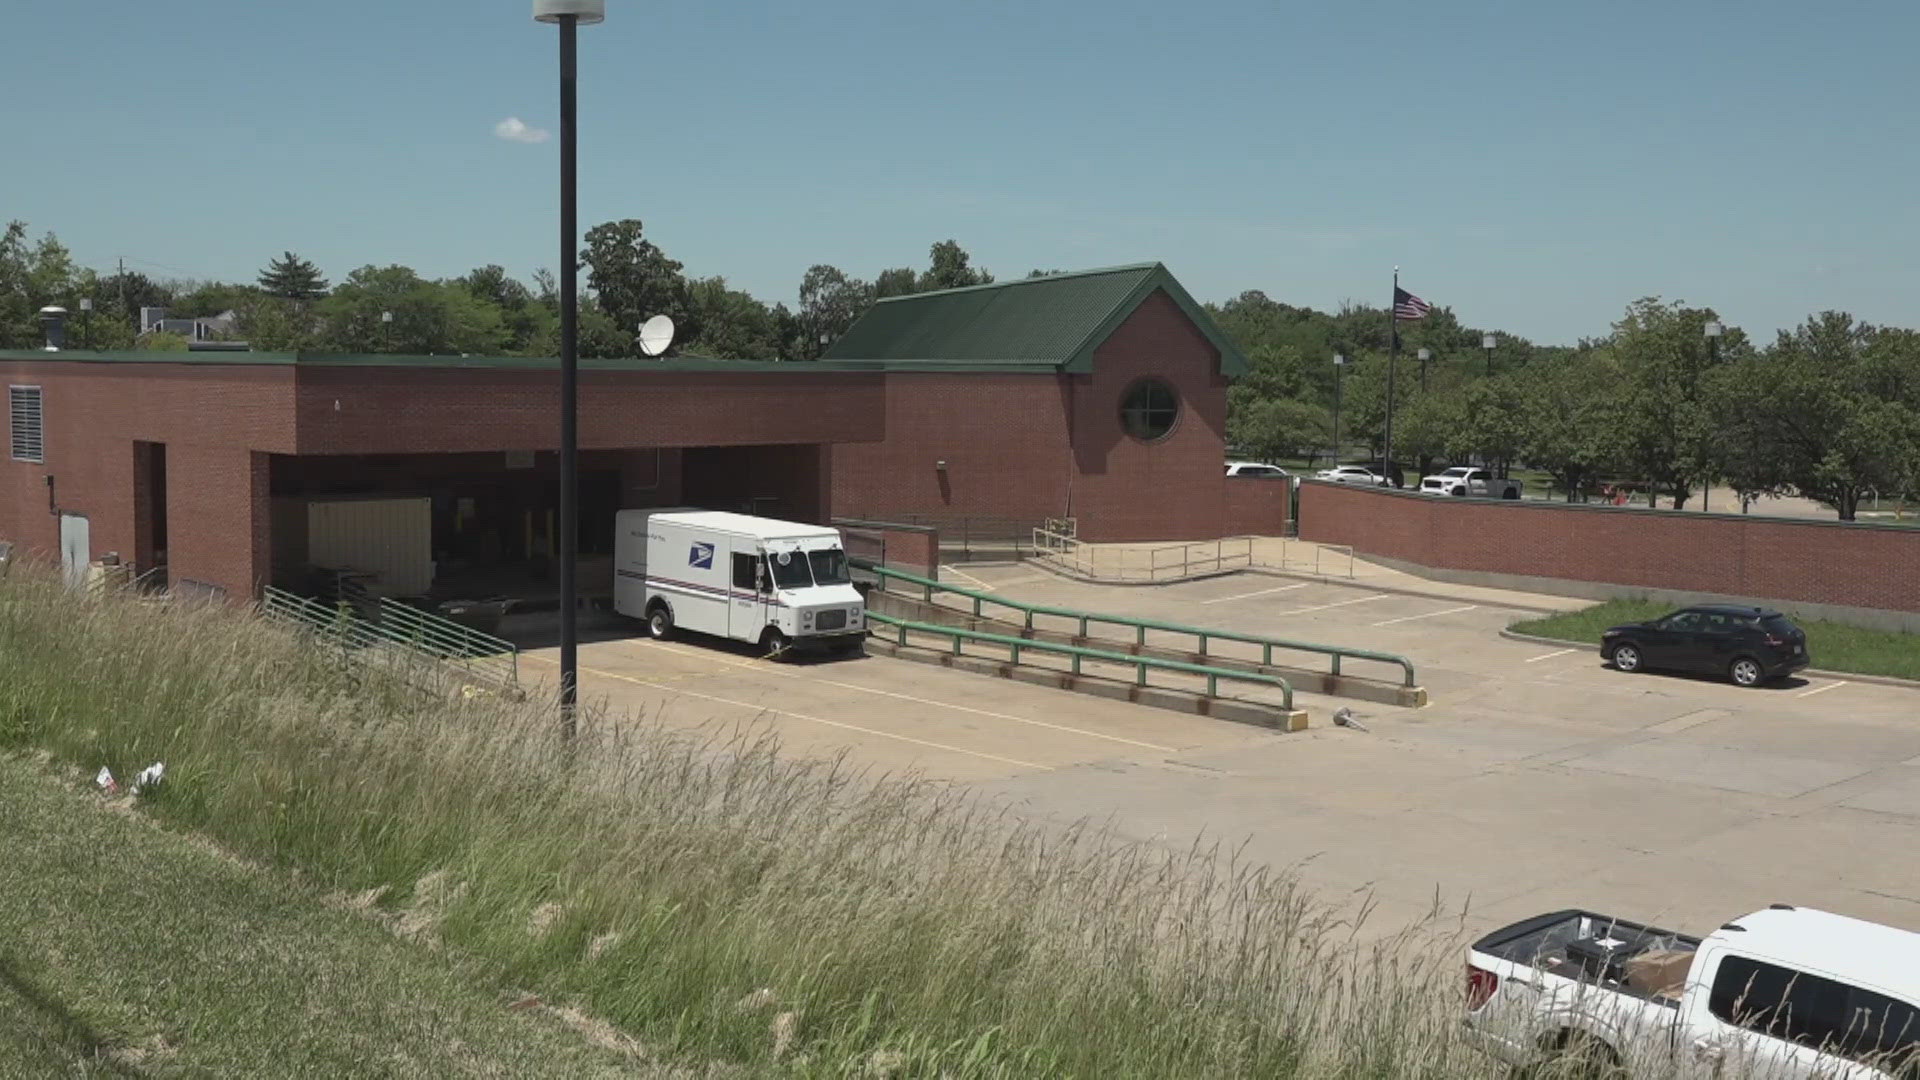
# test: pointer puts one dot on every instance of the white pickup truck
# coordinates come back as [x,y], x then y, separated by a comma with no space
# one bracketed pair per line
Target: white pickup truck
[1784,993]
[1468,480]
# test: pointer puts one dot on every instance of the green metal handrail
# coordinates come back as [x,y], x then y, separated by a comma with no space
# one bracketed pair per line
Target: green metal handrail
[1081,653]
[1086,619]
[421,633]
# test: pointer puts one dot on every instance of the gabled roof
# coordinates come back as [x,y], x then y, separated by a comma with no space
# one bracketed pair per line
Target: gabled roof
[1045,323]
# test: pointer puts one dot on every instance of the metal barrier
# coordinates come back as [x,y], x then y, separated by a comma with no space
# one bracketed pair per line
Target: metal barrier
[1319,563]
[1085,620]
[481,656]
[1172,562]
[961,533]
[1081,653]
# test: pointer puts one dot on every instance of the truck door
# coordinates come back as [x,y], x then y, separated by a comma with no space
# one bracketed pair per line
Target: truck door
[747,598]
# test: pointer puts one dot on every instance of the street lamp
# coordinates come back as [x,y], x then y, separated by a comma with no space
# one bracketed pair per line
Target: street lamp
[1425,355]
[386,330]
[1486,342]
[1339,362]
[570,15]
[86,322]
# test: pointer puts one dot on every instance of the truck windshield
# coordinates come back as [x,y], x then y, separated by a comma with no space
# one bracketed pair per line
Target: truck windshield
[829,566]
[789,569]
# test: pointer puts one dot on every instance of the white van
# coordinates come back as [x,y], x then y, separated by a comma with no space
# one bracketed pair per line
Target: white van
[778,583]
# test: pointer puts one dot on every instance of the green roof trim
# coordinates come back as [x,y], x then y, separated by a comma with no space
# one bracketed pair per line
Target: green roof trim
[1051,323]
[694,364]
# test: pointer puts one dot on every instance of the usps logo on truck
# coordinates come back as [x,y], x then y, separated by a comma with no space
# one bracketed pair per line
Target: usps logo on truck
[701,557]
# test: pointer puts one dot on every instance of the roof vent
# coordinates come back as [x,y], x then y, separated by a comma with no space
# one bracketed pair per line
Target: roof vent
[53,319]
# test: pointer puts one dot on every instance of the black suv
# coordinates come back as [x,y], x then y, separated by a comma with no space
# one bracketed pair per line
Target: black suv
[1746,644]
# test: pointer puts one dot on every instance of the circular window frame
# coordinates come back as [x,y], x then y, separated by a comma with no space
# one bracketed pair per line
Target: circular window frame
[1146,384]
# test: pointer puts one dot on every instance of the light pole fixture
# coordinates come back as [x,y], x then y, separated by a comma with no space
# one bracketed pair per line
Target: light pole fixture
[1339,362]
[86,322]
[1486,342]
[1425,354]
[569,15]
[1713,330]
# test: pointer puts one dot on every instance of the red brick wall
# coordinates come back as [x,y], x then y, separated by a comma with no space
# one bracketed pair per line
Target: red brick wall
[1772,558]
[1003,437]
[1029,447]
[94,413]
[1169,489]
[371,410]
[1255,507]
[219,518]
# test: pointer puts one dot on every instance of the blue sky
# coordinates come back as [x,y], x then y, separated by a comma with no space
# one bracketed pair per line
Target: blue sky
[1534,166]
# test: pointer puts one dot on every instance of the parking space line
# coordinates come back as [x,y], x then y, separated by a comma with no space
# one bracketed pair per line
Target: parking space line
[1340,603]
[1428,615]
[977,583]
[768,669]
[802,716]
[1548,656]
[1835,685]
[1262,592]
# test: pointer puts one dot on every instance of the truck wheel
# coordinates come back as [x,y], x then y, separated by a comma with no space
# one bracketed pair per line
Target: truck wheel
[1746,671]
[773,641]
[1578,1056]
[659,621]
[1626,657]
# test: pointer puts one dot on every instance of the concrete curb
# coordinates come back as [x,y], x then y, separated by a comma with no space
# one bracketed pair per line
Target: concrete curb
[1844,676]
[1272,717]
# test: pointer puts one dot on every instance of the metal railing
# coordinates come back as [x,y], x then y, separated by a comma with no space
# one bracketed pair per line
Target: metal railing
[1120,563]
[480,656]
[1084,620]
[1080,653]
[963,533]
[1322,559]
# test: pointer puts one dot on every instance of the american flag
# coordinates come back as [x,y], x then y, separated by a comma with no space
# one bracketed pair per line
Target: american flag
[1408,306]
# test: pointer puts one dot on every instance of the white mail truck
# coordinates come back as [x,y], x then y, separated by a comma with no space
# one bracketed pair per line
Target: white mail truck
[781,584]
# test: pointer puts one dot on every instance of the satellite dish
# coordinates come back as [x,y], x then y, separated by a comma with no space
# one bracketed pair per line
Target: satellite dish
[655,335]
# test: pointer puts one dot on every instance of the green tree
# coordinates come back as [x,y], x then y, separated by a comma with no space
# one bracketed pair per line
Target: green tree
[276,324]
[1666,425]
[1831,412]
[293,278]
[734,325]
[829,303]
[32,276]
[429,317]
[899,281]
[1274,428]
[633,280]
[1570,425]
[951,268]
[526,321]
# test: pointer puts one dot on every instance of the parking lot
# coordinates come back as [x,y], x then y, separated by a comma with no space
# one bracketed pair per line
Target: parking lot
[1537,779]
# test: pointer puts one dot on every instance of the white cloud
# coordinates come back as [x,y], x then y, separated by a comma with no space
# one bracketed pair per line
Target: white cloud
[513,129]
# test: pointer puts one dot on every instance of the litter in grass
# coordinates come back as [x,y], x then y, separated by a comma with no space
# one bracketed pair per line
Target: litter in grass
[104,778]
[149,778]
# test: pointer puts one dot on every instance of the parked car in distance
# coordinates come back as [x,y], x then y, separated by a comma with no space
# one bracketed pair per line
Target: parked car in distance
[1468,480]
[1351,474]
[1746,644]
[1257,469]
[1781,993]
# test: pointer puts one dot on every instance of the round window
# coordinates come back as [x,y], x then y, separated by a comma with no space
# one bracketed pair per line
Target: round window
[1149,409]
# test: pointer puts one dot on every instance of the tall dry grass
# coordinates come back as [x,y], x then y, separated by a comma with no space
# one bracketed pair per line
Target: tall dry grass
[712,896]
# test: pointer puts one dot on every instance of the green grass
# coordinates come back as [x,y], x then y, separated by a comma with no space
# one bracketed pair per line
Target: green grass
[1832,646]
[126,949]
[714,899]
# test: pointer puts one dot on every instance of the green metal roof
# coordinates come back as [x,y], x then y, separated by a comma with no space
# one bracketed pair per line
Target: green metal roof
[377,360]
[1037,324]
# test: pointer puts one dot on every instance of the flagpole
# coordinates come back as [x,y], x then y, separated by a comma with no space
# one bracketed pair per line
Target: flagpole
[1393,362]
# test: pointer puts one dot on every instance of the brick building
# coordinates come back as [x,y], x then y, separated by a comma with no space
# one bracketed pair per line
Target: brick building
[1100,396]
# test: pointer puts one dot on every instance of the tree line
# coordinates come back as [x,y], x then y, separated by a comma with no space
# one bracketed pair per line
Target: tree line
[1829,410]
[291,305]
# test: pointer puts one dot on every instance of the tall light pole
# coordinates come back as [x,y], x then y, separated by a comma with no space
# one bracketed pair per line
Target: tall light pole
[386,330]
[1486,342]
[86,322]
[1425,355]
[570,15]
[1339,362]
[1713,331]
